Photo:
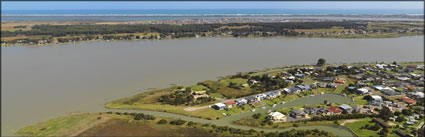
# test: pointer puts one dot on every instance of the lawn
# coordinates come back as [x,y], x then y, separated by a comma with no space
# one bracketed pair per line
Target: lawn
[238,81]
[358,100]
[198,87]
[62,126]
[355,127]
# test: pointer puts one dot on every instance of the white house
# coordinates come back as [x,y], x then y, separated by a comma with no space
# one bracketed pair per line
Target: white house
[377,98]
[277,117]
[362,90]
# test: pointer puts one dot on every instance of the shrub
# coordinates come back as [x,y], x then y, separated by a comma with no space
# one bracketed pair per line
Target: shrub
[162,121]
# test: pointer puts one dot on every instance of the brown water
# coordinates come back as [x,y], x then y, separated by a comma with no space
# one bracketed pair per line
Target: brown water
[39,83]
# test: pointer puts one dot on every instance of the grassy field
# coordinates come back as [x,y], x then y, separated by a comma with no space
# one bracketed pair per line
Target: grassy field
[355,127]
[63,126]
[123,127]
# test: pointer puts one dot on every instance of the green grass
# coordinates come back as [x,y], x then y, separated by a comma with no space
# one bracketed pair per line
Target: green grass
[355,127]
[238,81]
[358,100]
[268,102]
[61,126]
[198,88]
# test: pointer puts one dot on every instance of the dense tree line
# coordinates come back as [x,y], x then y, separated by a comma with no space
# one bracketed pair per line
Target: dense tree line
[185,30]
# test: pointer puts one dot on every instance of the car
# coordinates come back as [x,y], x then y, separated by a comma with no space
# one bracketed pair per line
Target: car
[274,105]
[263,107]
[253,110]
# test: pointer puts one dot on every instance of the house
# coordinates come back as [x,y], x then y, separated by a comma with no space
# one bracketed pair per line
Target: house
[277,117]
[331,85]
[357,108]
[322,111]
[362,91]
[328,79]
[219,106]
[345,107]
[286,91]
[390,92]
[408,100]
[334,110]
[252,99]
[340,81]
[417,94]
[299,75]
[272,94]
[321,85]
[295,90]
[296,113]
[261,97]
[230,103]
[376,98]
[310,110]
[303,87]
[313,86]
[198,94]
[242,101]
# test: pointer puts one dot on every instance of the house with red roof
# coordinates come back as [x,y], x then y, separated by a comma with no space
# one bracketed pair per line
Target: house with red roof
[334,110]
[230,103]
[340,81]
[408,100]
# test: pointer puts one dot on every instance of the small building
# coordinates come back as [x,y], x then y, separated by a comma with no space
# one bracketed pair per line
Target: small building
[277,117]
[230,103]
[219,106]
[242,101]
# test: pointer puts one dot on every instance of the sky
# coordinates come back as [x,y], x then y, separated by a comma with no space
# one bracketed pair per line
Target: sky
[102,5]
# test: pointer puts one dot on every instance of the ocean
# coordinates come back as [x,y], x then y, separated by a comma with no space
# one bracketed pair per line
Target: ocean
[16,15]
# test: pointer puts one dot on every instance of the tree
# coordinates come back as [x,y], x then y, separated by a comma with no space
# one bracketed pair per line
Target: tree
[385,113]
[321,62]
[162,121]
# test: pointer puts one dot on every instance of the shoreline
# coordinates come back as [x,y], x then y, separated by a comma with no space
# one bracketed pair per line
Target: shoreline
[248,37]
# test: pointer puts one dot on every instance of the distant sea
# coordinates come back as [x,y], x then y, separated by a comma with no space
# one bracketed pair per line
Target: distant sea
[11,15]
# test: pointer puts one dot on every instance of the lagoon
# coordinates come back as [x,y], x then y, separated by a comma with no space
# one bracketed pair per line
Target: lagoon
[42,82]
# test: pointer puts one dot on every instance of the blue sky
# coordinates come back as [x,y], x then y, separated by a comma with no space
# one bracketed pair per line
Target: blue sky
[208,5]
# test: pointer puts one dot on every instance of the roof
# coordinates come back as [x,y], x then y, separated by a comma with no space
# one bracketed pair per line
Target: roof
[409,100]
[334,109]
[276,115]
[297,111]
[376,97]
[345,107]
[220,105]
[339,81]
[231,102]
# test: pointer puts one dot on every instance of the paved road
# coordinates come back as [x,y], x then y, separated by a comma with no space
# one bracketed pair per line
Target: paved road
[228,121]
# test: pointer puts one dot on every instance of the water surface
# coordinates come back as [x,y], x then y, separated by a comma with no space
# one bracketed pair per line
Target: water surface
[39,83]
